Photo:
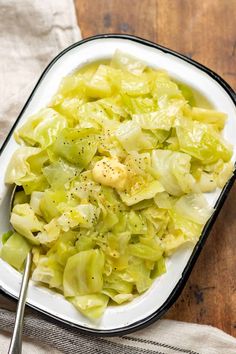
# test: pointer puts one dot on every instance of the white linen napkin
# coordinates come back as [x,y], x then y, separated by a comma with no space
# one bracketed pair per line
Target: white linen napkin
[32,32]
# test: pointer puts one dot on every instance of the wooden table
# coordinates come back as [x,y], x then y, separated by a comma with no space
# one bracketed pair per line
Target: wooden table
[206,32]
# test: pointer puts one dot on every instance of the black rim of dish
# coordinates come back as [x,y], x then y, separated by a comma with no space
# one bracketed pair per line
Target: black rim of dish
[197,249]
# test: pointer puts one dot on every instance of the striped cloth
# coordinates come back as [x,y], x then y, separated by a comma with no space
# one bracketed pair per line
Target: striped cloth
[163,337]
[32,32]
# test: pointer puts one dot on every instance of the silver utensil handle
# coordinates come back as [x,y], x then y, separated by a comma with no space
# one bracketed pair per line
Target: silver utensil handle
[16,341]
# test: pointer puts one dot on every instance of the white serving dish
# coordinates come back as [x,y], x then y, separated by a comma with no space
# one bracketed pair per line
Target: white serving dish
[165,290]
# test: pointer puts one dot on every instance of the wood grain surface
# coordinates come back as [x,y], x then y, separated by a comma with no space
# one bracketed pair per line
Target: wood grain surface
[206,32]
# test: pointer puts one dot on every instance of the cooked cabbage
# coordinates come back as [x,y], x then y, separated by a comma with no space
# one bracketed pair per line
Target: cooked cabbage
[42,128]
[112,175]
[15,250]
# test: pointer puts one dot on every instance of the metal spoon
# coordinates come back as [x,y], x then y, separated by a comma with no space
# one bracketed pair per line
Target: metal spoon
[16,340]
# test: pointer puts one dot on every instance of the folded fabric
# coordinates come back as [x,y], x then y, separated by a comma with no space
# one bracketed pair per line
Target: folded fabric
[31,34]
[30,346]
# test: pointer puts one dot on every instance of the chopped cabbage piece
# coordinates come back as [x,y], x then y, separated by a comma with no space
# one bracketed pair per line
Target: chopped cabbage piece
[194,207]
[132,138]
[85,215]
[209,116]
[92,306]
[21,198]
[202,142]
[15,250]
[48,271]
[146,192]
[69,108]
[35,201]
[163,118]
[42,128]
[83,273]
[25,222]
[116,297]
[134,85]
[173,170]
[59,174]
[163,86]
[98,85]
[145,252]
[50,233]
[121,60]
[76,146]
[71,84]
[18,166]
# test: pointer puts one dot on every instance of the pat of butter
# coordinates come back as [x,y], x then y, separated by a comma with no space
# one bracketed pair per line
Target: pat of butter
[110,172]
